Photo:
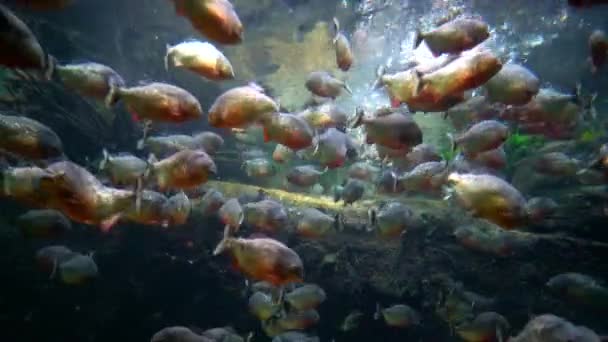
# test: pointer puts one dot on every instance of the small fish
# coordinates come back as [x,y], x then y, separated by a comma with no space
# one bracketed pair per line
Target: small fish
[258,168]
[324,84]
[305,297]
[391,220]
[344,53]
[325,115]
[313,223]
[215,19]
[487,326]
[211,142]
[388,182]
[427,177]
[289,130]
[351,191]
[162,146]
[304,175]
[262,306]
[391,128]
[158,102]
[93,80]
[77,270]
[332,148]
[43,223]
[514,84]
[183,170]
[481,137]
[398,315]
[489,197]
[549,327]
[21,49]
[351,321]
[232,215]
[29,138]
[241,107]
[200,57]
[455,36]
[123,169]
[266,215]
[263,259]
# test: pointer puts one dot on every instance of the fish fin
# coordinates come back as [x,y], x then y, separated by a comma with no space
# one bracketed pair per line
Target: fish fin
[499,335]
[336,29]
[419,82]
[418,38]
[105,159]
[378,312]
[371,217]
[167,53]
[139,186]
[453,142]
[395,181]
[359,117]
[113,95]
[380,71]
[241,218]
[5,184]
[51,63]
[347,88]
[109,222]
[221,246]
[54,270]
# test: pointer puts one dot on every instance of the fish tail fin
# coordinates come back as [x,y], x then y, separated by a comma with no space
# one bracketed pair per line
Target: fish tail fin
[105,158]
[380,71]
[167,53]
[418,38]
[51,63]
[378,311]
[113,95]
[453,142]
[371,217]
[315,142]
[139,188]
[221,246]
[347,88]
[359,116]
[336,29]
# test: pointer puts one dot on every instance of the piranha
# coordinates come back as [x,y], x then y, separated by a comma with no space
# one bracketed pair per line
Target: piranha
[258,168]
[489,197]
[391,219]
[49,258]
[454,36]
[241,107]
[211,202]
[151,209]
[77,270]
[472,111]
[23,184]
[305,297]
[598,49]
[304,175]
[289,130]
[325,115]
[398,315]
[263,259]
[487,326]
[282,154]
[123,169]
[427,177]
[20,48]
[332,148]
[491,239]
[211,142]
[177,209]
[215,19]
[540,208]
[481,137]
[344,53]
[549,327]
[495,159]
[162,146]
[390,127]
[420,154]
[555,164]
[177,334]
[469,71]
[363,171]
[324,84]
[158,102]
[298,320]
[232,215]
[92,80]
[262,306]
[43,223]
[200,57]
[266,215]
[74,191]
[29,138]
[514,84]
[579,288]
[313,223]
[183,170]
[388,182]
[352,321]
[351,191]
